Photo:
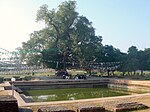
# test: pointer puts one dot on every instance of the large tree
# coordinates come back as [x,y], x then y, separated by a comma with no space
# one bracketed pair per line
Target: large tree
[67,36]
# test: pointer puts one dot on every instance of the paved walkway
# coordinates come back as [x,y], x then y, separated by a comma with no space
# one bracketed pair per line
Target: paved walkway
[93,100]
[105,102]
[2,88]
[20,101]
[6,84]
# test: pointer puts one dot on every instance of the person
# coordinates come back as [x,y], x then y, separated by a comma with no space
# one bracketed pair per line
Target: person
[64,77]
[76,78]
[67,77]
[70,76]
[66,73]
[84,75]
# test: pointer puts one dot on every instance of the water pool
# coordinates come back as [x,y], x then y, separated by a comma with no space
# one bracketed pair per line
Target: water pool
[71,94]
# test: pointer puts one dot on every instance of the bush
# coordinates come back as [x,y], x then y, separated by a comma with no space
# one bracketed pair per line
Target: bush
[16,77]
[7,79]
[27,78]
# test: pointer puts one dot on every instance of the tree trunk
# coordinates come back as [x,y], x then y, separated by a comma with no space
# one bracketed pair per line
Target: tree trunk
[108,73]
[56,42]
[123,73]
[128,73]
[90,71]
[113,73]
[64,62]
[141,72]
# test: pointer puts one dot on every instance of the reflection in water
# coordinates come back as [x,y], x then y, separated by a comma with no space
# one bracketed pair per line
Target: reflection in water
[71,94]
[43,97]
[72,98]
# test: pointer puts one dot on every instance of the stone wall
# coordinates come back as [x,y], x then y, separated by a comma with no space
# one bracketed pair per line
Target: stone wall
[81,108]
[61,84]
[130,85]
[8,104]
[54,109]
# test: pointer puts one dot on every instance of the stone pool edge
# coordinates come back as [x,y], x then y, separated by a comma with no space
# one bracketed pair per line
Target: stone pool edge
[21,102]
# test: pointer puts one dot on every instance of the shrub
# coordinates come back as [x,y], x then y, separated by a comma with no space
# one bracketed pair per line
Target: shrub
[27,78]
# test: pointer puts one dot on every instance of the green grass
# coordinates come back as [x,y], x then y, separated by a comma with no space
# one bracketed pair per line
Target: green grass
[10,76]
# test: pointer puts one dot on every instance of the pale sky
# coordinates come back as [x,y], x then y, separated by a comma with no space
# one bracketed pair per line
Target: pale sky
[121,23]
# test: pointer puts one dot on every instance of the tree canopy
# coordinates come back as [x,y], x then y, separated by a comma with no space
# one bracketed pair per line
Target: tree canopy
[69,39]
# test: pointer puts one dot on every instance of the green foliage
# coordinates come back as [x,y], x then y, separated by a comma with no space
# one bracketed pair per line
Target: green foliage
[54,55]
[27,78]
[135,60]
[71,35]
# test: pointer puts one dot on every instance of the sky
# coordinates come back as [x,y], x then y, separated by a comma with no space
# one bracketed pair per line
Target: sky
[121,23]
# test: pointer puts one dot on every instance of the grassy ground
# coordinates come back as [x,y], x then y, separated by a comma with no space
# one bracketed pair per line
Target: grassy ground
[51,72]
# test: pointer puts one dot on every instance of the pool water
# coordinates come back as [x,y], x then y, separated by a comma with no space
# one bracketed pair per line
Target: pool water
[71,94]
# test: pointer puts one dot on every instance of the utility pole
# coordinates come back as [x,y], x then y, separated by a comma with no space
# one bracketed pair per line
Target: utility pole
[13,80]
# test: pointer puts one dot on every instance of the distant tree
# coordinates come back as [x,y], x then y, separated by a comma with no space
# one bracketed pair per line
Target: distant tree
[123,63]
[147,58]
[132,59]
[111,54]
[142,61]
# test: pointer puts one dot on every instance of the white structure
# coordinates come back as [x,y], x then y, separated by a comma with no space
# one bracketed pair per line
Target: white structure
[7,56]
[13,80]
